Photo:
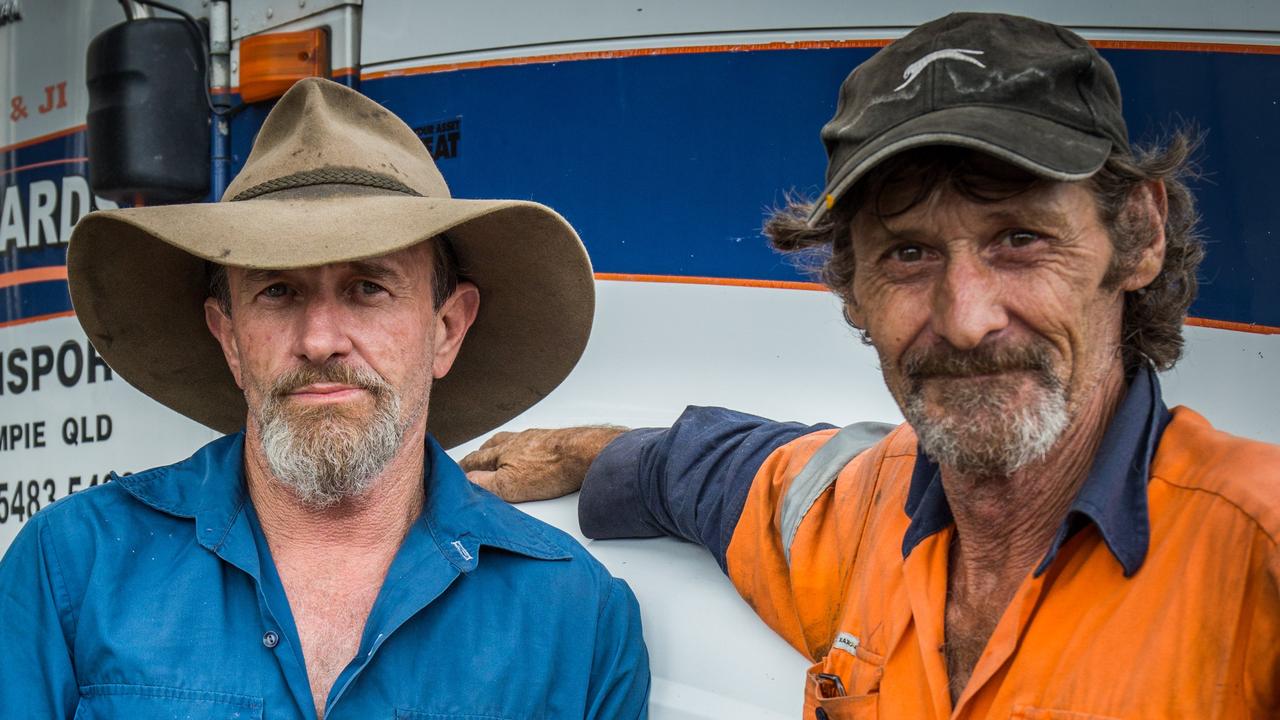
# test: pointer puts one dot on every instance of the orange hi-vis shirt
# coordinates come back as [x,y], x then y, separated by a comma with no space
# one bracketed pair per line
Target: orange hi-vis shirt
[1158,598]
[1193,633]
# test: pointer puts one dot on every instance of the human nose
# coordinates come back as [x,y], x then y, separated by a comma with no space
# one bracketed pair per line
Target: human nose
[321,333]
[967,304]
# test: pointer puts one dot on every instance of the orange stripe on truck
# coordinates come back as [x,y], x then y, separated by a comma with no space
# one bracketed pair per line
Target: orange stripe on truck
[33,275]
[1238,48]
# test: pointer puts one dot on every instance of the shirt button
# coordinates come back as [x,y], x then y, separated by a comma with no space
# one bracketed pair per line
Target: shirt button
[270,639]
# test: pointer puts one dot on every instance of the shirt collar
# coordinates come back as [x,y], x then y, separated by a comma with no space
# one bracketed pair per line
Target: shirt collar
[209,487]
[1113,497]
[456,511]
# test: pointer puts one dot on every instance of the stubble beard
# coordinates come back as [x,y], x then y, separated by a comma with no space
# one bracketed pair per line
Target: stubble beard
[329,453]
[990,426]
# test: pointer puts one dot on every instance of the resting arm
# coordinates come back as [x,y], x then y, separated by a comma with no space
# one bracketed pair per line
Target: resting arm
[689,481]
[537,464]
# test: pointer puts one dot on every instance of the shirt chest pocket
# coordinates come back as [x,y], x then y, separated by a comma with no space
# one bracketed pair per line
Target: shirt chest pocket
[1031,713]
[148,702]
[420,715]
[845,685]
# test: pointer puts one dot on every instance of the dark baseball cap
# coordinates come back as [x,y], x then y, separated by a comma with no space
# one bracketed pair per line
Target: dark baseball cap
[1030,93]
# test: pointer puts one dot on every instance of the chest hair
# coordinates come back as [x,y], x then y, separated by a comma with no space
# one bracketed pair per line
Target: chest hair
[969,626]
[330,612]
[975,604]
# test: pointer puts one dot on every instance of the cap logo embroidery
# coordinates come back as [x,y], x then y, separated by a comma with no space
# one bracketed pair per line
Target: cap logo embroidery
[917,67]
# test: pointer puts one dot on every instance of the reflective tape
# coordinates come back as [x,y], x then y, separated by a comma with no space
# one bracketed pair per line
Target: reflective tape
[820,472]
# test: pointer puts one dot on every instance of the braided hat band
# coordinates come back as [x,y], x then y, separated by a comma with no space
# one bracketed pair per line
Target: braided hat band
[326,176]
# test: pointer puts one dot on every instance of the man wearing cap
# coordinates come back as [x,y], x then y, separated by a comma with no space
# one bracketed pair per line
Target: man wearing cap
[328,559]
[1043,538]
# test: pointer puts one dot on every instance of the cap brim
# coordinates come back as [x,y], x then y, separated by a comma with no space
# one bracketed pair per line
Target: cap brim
[138,283]
[1043,147]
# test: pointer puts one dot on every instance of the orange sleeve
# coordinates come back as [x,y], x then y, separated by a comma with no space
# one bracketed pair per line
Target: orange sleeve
[1262,661]
[801,599]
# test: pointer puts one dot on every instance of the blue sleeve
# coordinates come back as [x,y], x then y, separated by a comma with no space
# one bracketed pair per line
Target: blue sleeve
[39,679]
[689,481]
[619,686]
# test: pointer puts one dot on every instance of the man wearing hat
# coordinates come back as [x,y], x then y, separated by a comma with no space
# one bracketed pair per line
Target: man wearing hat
[1043,538]
[326,558]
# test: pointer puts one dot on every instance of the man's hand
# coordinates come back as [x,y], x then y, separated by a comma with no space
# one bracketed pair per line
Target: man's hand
[537,464]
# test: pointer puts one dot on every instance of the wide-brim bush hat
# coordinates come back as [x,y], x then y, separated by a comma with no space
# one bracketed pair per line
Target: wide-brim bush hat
[333,177]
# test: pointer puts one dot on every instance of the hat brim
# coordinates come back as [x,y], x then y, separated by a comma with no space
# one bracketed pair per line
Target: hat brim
[138,282]
[1039,146]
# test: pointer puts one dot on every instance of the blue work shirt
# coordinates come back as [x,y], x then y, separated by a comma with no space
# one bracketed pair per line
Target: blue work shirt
[155,596]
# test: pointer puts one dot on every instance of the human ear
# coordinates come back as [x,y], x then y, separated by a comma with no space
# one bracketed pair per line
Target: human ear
[220,326]
[854,315]
[453,319]
[1152,203]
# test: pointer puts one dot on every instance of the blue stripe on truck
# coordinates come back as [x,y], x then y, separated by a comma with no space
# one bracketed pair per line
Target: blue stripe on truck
[668,163]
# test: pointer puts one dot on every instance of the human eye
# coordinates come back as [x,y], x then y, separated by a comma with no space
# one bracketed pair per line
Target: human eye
[275,291]
[1019,238]
[907,254]
[365,291]
[907,261]
[369,288]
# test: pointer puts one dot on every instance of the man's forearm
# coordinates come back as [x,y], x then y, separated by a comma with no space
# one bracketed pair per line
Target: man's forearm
[537,464]
[613,503]
[688,481]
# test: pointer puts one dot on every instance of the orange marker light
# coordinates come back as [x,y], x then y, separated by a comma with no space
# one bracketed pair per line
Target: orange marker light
[270,64]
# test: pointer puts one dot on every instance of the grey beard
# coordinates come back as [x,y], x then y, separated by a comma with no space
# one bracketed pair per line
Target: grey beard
[981,435]
[325,456]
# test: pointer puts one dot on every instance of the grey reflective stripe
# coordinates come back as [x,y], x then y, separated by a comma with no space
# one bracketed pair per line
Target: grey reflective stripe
[821,470]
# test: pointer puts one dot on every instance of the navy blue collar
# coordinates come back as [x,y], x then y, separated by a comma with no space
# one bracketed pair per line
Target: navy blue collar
[1113,497]
[460,517]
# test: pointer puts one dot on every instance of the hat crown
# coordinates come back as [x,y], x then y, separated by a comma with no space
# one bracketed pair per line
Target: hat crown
[326,131]
[977,60]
